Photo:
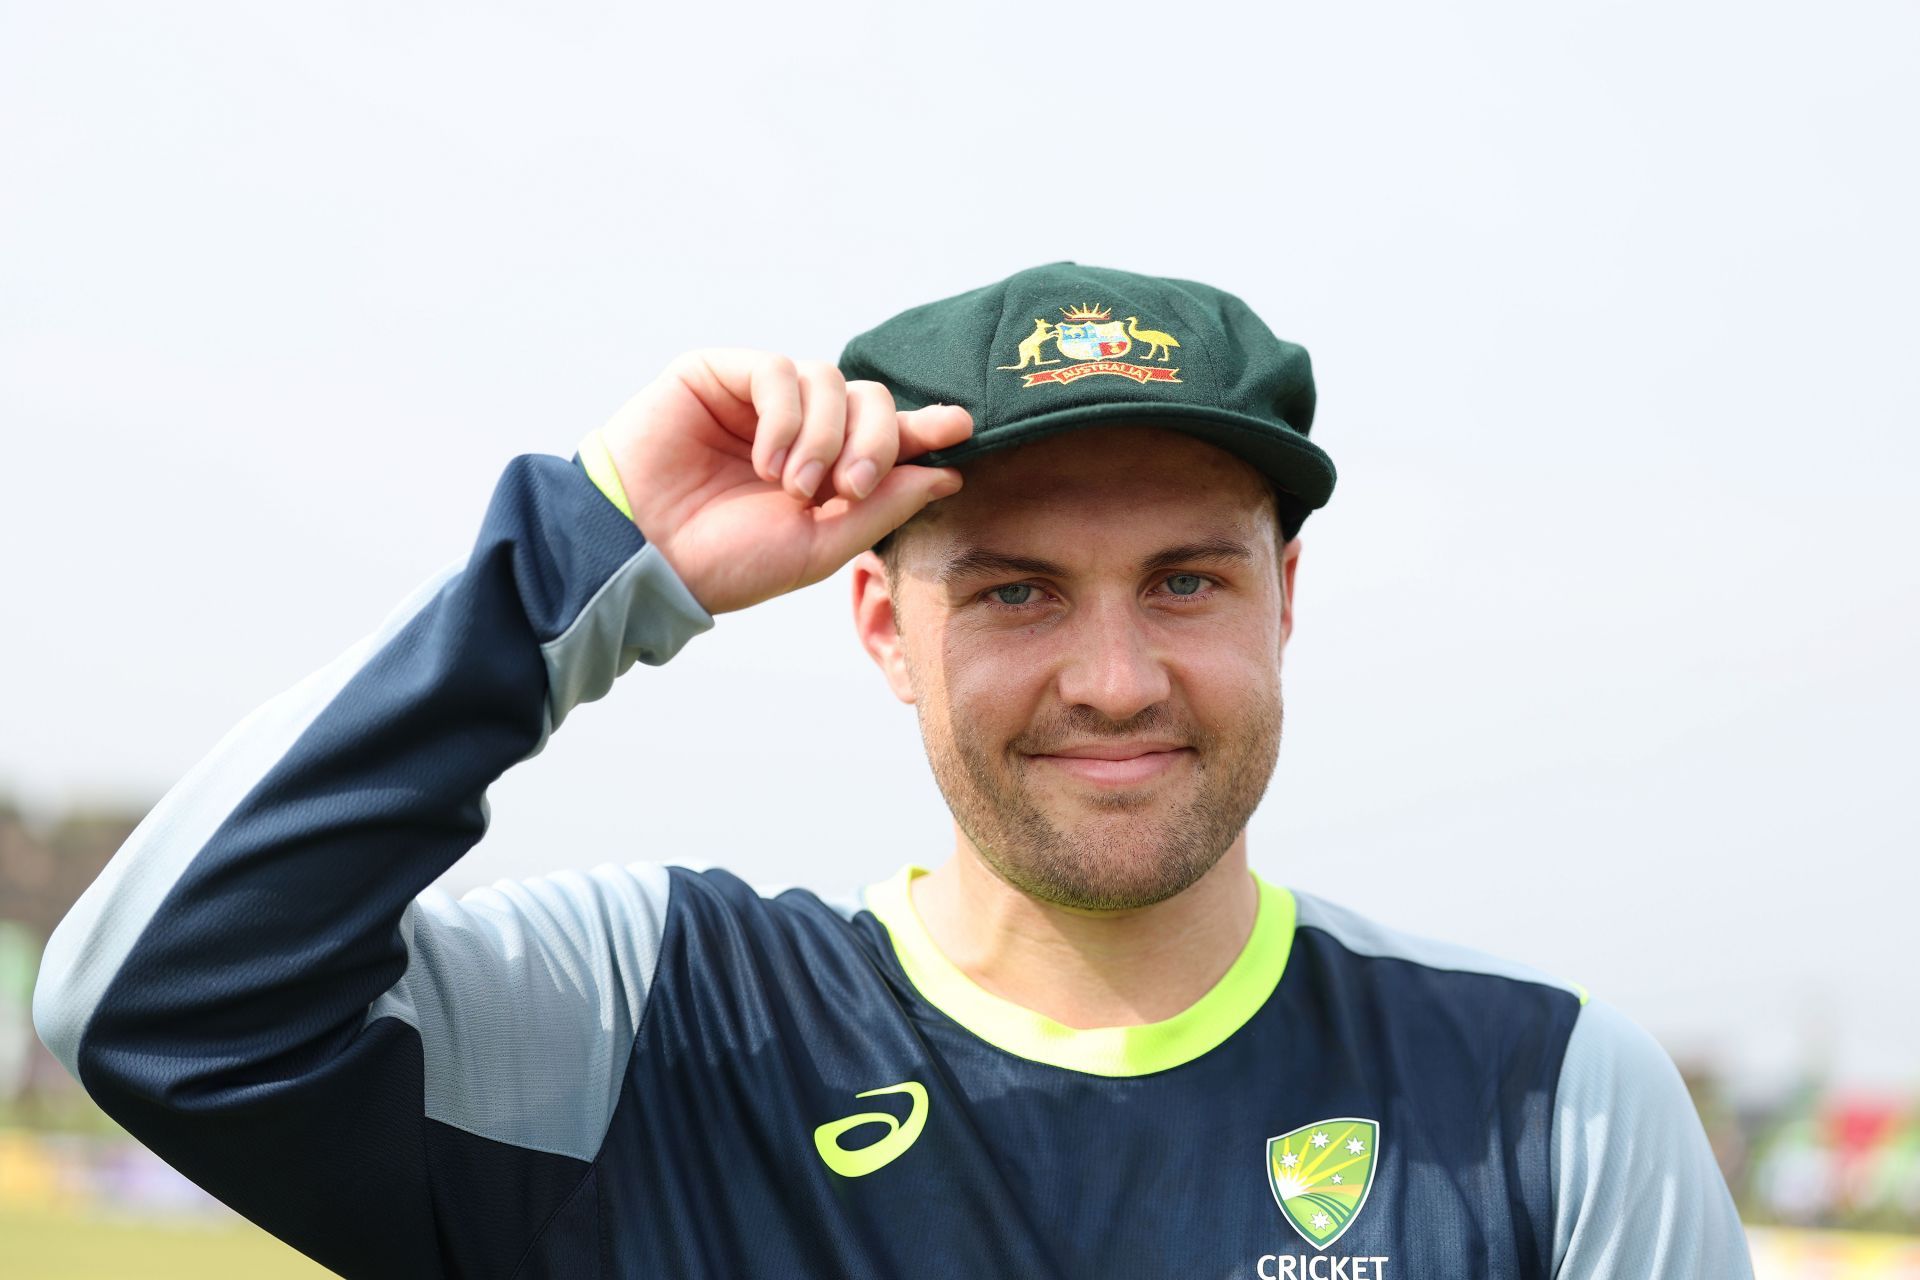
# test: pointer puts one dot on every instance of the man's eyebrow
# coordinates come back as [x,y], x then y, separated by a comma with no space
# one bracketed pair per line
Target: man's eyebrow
[1214,549]
[979,562]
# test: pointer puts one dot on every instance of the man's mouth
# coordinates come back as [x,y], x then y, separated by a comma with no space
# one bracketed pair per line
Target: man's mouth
[1117,764]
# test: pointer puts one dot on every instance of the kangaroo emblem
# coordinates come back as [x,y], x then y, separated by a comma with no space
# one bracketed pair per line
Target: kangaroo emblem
[1152,339]
[1031,344]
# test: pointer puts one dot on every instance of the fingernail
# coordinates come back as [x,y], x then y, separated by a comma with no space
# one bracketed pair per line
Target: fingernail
[808,481]
[861,476]
[946,488]
[777,463]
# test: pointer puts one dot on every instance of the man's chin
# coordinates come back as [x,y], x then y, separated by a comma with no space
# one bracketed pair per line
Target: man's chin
[1112,865]
[1105,890]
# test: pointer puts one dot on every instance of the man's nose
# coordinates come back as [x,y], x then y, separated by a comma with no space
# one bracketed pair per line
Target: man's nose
[1113,666]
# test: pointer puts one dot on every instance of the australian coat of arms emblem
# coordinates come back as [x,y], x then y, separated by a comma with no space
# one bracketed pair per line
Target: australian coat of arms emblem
[1090,341]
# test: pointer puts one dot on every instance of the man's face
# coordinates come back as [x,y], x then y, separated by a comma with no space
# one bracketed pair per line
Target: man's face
[1091,632]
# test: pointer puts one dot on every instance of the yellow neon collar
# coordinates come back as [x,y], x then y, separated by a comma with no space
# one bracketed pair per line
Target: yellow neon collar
[1100,1051]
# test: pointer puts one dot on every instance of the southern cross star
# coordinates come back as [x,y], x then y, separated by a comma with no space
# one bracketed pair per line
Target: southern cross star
[1289,1160]
[1356,1146]
[1319,1139]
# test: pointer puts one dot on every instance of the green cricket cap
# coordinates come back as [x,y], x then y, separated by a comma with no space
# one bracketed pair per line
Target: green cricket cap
[1062,346]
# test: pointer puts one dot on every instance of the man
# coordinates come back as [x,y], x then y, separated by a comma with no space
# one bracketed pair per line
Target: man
[1089,1044]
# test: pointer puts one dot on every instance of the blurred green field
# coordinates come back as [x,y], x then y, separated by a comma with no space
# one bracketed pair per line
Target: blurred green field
[55,1246]
[44,1245]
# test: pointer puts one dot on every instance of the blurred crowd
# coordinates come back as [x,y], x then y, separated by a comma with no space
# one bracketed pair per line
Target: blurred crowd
[1816,1156]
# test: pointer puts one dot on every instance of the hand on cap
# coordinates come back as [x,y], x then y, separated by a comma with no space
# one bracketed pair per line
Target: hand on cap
[755,475]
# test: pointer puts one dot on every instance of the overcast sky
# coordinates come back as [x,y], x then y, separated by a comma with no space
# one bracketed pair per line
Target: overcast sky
[1606,651]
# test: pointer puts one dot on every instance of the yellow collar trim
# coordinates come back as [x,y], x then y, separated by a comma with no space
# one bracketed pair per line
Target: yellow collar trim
[1100,1051]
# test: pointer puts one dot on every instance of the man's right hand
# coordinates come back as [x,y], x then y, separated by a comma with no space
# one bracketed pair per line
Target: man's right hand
[755,475]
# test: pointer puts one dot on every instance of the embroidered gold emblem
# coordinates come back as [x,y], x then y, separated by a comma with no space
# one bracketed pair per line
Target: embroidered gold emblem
[1033,344]
[1094,341]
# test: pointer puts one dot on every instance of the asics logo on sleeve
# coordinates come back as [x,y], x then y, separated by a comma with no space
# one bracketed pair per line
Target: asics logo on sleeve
[875,1155]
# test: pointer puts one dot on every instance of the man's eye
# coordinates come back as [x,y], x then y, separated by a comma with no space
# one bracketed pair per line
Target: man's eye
[1185,584]
[1016,594]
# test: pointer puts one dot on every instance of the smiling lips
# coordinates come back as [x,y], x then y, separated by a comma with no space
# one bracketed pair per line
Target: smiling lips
[1118,764]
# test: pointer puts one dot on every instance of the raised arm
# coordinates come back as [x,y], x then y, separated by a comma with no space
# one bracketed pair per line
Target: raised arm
[418,1087]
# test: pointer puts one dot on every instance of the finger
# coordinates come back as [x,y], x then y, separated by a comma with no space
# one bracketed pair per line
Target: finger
[847,528]
[823,426]
[775,389]
[873,439]
[938,426]
[739,386]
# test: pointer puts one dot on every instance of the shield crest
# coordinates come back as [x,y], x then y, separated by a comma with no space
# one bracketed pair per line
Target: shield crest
[1088,341]
[1321,1173]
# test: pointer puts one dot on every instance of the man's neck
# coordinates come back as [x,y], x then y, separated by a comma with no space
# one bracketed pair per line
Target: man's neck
[1089,969]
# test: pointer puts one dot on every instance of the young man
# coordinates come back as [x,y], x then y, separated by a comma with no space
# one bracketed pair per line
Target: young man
[1091,1043]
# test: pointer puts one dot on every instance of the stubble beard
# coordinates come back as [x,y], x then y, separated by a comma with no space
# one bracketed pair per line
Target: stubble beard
[1129,848]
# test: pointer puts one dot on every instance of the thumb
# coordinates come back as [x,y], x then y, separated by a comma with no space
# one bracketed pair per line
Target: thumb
[900,496]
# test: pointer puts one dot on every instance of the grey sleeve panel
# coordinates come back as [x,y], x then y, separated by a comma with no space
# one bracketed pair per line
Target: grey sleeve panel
[527,997]
[1637,1194]
[100,929]
[642,613]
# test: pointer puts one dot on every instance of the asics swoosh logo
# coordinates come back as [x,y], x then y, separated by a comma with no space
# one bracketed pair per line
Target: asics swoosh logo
[875,1155]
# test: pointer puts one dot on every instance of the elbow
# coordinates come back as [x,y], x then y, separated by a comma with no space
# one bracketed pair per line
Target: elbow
[87,949]
[60,1012]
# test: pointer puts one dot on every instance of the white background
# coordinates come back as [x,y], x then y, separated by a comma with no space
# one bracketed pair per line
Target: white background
[1607,647]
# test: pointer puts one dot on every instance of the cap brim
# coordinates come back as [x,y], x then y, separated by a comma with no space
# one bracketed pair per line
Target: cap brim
[1292,462]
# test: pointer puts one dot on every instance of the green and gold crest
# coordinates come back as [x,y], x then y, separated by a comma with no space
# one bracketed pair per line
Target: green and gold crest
[1321,1173]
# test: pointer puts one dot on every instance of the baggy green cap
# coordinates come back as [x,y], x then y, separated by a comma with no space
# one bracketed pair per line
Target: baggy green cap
[1063,346]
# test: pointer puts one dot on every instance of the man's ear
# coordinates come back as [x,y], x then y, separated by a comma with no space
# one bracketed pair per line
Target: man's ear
[1289,563]
[873,621]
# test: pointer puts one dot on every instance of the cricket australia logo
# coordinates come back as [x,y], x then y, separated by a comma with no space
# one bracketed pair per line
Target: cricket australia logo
[1321,1174]
[1092,341]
